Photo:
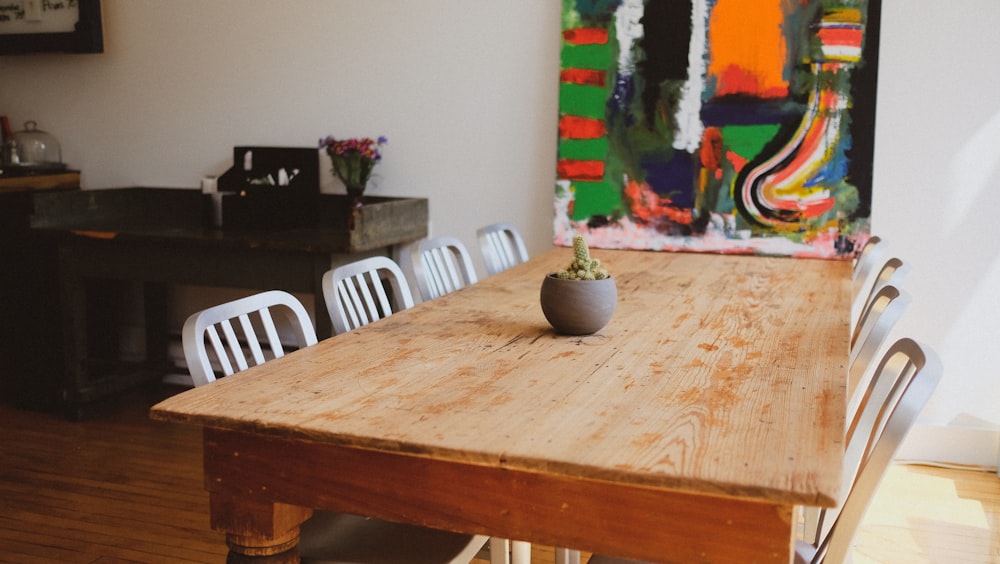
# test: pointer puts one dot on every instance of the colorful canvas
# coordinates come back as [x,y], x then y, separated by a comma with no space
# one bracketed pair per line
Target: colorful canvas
[726,126]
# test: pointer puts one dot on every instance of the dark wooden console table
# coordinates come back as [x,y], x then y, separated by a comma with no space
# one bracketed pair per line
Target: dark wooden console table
[158,237]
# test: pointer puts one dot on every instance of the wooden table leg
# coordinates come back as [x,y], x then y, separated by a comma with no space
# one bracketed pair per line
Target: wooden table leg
[258,532]
[73,306]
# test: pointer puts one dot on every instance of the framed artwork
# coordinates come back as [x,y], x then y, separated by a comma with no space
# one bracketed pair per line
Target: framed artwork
[720,126]
[50,26]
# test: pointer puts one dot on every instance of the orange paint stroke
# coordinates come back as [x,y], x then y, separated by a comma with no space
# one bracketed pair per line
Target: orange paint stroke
[711,148]
[586,36]
[844,36]
[570,169]
[648,206]
[818,208]
[738,80]
[747,36]
[813,144]
[737,160]
[95,234]
[575,127]
[586,77]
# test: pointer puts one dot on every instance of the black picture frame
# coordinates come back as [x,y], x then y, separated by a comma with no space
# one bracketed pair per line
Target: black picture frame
[88,37]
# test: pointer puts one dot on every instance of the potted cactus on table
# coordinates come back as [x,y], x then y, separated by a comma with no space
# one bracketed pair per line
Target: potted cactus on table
[581,298]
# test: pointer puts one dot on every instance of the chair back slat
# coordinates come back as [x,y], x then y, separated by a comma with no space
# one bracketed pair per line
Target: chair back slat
[348,313]
[442,269]
[220,350]
[361,297]
[374,285]
[271,330]
[233,344]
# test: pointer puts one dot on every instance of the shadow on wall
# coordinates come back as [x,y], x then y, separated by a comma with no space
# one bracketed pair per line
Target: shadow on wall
[968,223]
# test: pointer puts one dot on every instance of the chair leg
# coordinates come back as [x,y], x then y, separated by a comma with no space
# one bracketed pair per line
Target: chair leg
[809,523]
[499,551]
[567,556]
[520,552]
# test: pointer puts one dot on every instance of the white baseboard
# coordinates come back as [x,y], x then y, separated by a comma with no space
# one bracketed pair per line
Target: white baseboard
[952,446]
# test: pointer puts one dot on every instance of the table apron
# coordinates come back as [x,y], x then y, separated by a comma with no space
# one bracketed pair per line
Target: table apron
[641,522]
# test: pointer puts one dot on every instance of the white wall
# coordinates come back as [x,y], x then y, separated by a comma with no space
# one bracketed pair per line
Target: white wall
[466,91]
[936,199]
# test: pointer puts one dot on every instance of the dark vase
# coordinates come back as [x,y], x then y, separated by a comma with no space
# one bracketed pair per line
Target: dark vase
[578,307]
[355,200]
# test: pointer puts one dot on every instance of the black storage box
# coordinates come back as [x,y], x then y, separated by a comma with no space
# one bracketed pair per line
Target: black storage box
[254,193]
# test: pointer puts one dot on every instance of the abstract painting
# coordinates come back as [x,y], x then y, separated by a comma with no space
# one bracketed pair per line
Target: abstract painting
[727,126]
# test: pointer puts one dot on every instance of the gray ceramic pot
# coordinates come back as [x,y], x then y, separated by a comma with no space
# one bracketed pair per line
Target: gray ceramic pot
[578,307]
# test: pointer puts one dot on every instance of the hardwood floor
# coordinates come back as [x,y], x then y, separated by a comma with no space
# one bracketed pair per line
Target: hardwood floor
[121,488]
[115,488]
[927,515]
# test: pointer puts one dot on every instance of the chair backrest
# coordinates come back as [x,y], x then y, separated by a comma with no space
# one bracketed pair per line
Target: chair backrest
[356,295]
[868,257]
[243,346]
[502,247]
[894,271]
[441,266]
[903,382]
[873,328]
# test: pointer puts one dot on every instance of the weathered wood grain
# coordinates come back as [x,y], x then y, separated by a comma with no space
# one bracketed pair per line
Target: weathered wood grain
[718,376]
[718,373]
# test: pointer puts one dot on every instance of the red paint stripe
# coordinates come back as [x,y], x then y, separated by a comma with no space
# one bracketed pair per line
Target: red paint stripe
[586,36]
[588,77]
[574,127]
[569,169]
[840,36]
[818,208]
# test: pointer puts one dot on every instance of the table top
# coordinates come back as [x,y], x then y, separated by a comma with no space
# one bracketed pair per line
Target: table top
[718,374]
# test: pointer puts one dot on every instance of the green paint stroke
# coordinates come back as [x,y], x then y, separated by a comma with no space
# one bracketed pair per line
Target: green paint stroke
[602,197]
[583,101]
[591,56]
[595,198]
[584,149]
[748,141]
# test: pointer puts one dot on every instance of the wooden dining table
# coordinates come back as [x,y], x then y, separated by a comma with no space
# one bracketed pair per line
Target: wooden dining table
[686,430]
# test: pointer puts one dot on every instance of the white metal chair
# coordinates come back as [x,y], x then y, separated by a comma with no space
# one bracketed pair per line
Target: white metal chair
[904,380]
[248,327]
[356,294]
[441,266]
[502,247]
[243,346]
[876,322]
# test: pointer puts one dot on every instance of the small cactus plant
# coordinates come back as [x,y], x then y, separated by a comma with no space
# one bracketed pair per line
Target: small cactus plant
[583,266]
